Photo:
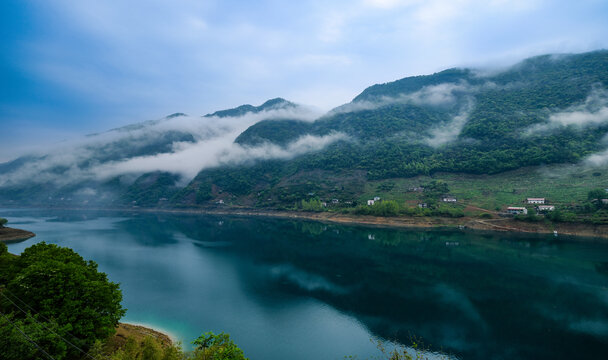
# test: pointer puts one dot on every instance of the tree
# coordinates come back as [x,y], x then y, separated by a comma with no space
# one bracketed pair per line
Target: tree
[597,194]
[65,292]
[210,346]
[3,222]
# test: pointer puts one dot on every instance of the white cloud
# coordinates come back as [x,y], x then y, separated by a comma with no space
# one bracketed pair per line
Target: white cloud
[593,112]
[213,145]
[598,159]
[188,159]
[449,132]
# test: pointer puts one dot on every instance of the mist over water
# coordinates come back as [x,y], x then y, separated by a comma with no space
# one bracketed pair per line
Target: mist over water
[307,290]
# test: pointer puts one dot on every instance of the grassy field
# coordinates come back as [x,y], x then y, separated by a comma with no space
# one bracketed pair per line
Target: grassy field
[560,185]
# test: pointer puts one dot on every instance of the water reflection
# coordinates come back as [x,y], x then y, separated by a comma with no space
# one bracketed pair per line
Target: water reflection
[477,296]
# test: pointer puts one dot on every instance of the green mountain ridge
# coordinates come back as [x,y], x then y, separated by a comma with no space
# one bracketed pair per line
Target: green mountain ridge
[395,131]
[454,121]
[272,104]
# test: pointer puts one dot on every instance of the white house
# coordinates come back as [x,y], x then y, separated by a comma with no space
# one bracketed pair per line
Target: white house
[544,208]
[448,199]
[515,210]
[377,198]
[535,200]
[370,202]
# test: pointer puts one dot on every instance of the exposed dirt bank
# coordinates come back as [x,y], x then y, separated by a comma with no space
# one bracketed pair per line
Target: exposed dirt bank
[137,332]
[8,234]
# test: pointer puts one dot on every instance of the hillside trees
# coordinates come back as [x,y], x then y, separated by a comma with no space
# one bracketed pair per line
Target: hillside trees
[50,287]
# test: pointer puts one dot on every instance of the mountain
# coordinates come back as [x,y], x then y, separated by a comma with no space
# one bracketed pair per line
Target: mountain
[272,104]
[544,110]
[549,109]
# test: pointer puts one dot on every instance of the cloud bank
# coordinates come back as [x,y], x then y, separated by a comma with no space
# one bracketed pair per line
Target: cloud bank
[593,112]
[182,145]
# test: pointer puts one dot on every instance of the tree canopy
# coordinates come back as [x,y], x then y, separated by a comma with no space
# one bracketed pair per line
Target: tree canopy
[52,294]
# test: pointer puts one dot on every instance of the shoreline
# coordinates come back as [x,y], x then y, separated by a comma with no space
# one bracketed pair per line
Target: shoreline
[463,223]
[10,235]
[580,230]
[140,331]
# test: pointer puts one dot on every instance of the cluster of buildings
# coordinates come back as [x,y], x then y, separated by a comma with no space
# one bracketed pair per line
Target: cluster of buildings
[540,203]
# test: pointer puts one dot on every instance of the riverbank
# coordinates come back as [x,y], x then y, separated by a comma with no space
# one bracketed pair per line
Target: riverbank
[8,234]
[581,230]
[138,333]
[498,224]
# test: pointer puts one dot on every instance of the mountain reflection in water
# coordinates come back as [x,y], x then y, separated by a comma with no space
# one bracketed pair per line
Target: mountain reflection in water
[476,296]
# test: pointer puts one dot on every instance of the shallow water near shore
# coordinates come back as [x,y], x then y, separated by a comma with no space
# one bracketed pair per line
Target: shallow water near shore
[308,290]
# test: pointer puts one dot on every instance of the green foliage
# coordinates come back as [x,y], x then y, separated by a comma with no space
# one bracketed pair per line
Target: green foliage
[148,349]
[210,346]
[380,208]
[277,131]
[597,194]
[15,346]
[434,189]
[65,292]
[312,205]
[3,222]
[386,186]
[530,217]
[149,189]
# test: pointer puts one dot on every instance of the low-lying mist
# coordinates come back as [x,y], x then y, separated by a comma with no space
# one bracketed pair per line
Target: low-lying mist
[181,145]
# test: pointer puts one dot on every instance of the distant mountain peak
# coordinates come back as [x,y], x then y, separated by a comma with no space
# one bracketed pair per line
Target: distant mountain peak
[277,103]
[272,104]
[174,115]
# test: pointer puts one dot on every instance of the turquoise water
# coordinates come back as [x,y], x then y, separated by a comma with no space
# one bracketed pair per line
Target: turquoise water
[306,290]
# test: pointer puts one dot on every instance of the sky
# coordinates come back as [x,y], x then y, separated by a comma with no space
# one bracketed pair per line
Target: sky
[69,68]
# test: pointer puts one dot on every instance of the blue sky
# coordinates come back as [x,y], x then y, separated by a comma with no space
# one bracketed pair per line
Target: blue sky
[69,68]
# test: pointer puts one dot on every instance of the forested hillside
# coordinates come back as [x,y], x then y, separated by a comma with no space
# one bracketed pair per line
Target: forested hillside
[550,109]
[544,110]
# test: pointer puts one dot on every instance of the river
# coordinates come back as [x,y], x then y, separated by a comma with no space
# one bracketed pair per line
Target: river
[288,289]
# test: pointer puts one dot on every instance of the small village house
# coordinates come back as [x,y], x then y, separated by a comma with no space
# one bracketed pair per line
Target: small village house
[545,208]
[377,198]
[516,210]
[370,202]
[448,199]
[535,200]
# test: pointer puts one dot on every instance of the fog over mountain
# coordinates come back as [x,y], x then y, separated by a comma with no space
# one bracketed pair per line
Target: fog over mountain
[544,110]
[179,144]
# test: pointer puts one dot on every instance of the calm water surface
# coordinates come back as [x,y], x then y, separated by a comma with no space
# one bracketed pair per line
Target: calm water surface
[304,290]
